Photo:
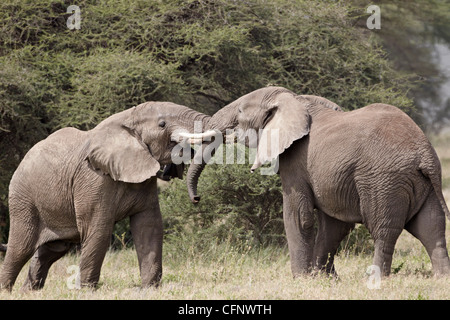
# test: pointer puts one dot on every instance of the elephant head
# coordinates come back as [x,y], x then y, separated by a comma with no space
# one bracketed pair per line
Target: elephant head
[270,112]
[131,146]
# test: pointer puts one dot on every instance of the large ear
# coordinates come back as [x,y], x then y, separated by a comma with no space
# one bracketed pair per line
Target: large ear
[288,120]
[116,150]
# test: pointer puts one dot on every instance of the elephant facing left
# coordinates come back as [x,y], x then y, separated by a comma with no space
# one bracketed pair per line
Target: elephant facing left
[75,185]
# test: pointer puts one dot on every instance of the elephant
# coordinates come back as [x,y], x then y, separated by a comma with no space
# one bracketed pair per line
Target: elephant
[372,165]
[73,186]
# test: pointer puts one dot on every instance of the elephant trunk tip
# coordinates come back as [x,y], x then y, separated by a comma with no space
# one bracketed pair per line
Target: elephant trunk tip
[195,199]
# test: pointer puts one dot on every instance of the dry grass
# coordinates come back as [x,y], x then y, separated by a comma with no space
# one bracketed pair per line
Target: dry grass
[255,274]
[223,272]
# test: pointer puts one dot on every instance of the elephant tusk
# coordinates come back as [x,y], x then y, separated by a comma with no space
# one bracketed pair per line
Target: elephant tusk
[195,141]
[195,136]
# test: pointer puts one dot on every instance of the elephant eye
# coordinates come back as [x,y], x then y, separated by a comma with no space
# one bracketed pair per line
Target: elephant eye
[162,123]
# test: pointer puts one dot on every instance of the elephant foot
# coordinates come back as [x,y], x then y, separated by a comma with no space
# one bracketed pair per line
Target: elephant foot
[322,272]
[441,264]
[155,285]
[89,285]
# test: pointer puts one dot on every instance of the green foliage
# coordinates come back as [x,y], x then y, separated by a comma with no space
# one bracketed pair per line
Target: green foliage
[236,205]
[25,94]
[410,31]
[357,242]
[109,81]
[200,53]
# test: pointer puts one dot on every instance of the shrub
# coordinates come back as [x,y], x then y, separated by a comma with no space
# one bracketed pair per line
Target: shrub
[359,241]
[200,53]
[236,206]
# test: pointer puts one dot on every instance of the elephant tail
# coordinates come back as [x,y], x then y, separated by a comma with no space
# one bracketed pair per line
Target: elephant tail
[3,247]
[437,186]
[434,174]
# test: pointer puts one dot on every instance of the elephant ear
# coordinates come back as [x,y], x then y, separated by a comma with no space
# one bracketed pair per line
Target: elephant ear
[115,149]
[287,120]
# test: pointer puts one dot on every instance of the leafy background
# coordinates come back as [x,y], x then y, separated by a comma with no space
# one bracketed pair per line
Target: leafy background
[204,54]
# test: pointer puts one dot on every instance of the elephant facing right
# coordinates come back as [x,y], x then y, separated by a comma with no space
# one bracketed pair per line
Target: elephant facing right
[372,166]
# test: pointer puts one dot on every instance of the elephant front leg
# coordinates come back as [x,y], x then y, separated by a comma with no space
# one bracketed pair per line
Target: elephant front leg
[329,235]
[147,231]
[298,219]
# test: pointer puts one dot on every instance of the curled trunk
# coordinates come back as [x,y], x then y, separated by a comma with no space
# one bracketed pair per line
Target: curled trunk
[192,176]
[195,121]
[225,118]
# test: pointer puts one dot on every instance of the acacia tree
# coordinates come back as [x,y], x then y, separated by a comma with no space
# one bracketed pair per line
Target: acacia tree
[200,53]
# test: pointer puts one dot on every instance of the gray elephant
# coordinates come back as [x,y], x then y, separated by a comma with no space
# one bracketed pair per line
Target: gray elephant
[372,166]
[75,185]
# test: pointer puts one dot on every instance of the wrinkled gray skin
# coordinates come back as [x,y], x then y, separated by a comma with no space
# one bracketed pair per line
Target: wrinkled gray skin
[75,185]
[372,166]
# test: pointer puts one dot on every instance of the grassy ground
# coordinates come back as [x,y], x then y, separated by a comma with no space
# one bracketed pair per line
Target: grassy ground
[223,272]
[255,274]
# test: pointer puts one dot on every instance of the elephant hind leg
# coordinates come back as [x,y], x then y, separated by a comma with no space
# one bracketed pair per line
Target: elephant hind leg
[41,262]
[14,261]
[22,242]
[428,225]
[384,249]
[385,235]
[385,218]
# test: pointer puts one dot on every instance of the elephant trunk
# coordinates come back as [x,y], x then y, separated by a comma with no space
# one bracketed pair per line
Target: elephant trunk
[196,169]
[192,176]
[224,119]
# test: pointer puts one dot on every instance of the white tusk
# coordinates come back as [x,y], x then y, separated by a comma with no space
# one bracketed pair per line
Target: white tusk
[195,136]
[195,141]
